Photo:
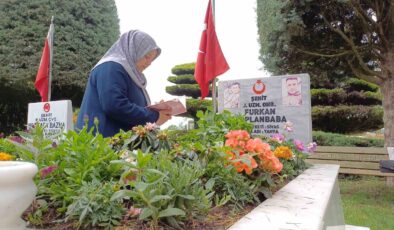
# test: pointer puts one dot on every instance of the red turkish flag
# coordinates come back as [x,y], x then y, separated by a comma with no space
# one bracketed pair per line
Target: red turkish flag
[42,78]
[210,60]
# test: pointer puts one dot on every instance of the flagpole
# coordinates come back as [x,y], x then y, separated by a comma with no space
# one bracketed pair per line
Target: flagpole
[214,102]
[51,32]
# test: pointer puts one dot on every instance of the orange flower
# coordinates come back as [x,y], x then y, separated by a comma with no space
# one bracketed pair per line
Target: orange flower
[257,145]
[283,152]
[271,164]
[230,155]
[247,163]
[5,156]
[231,142]
[238,135]
[266,155]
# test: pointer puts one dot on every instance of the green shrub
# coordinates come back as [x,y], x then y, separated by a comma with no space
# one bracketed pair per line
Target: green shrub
[183,69]
[334,139]
[182,79]
[84,30]
[194,105]
[92,205]
[165,189]
[71,170]
[186,90]
[345,119]
[6,146]
[14,100]
[363,98]
[327,96]
[339,96]
[355,84]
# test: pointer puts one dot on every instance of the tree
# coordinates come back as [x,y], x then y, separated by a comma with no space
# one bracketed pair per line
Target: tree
[186,85]
[84,30]
[332,39]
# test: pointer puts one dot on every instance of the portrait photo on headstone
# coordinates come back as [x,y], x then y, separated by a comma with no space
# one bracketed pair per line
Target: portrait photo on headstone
[291,91]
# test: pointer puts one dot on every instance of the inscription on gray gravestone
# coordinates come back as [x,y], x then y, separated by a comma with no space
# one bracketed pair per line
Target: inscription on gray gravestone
[270,102]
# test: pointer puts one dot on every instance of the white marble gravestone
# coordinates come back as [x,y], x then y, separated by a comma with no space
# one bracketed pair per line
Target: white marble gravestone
[54,116]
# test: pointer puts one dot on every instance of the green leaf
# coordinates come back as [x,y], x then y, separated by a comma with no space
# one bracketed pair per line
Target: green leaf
[69,171]
[173,222]
[145,213]
[266,192]
[187,197]
[156,172]
[172,212]
[133,138]
[160,197]
[123,194]
[123,162]
[210,183]
[141,186]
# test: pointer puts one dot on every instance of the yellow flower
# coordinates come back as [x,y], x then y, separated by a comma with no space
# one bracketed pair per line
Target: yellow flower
[5,156]
[283,152]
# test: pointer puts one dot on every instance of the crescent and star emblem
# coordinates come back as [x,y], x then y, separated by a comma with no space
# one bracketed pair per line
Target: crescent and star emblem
[259,87]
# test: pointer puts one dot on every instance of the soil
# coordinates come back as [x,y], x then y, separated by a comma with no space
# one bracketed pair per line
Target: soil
[218,218]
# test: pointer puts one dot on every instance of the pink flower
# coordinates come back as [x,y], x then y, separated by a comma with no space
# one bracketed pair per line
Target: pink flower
[17,139]
[278,137]
[299,145]
[288,126]
[134,211]
[1,135]
[311,147]
[44,172]
[150,126]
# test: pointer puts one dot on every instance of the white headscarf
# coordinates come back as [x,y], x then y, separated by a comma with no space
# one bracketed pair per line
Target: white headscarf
[131,47]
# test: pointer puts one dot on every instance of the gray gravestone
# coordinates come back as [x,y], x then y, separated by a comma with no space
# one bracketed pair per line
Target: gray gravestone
[271,102]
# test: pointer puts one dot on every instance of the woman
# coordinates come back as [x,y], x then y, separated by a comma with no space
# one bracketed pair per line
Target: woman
[116,89]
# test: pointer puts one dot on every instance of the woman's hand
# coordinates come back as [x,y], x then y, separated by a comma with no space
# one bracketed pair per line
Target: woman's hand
[164,116]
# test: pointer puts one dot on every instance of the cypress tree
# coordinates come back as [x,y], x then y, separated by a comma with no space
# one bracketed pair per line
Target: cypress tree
[186,85]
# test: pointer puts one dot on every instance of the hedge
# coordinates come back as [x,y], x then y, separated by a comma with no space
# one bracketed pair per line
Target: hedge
[333,139]
[355,84]
[185,89]
[327,96]
[340,96]
[182,79]
[14,100]
[183,69]
[364,98]
[346,119]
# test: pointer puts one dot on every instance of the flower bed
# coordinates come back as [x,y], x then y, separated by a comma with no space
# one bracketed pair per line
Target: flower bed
[154,178]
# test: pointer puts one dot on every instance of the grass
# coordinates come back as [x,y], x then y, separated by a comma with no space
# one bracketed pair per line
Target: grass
[368,202]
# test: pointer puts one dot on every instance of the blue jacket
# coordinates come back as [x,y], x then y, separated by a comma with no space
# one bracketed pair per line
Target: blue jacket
[115,100]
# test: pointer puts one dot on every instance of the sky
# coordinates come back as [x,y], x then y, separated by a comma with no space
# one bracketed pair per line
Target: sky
[176,26]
